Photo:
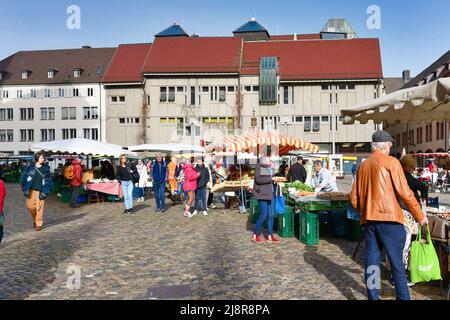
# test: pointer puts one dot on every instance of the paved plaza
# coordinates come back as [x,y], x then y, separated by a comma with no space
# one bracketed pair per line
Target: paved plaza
[167,256]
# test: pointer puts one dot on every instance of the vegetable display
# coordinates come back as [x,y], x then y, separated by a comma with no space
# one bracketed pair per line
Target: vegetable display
[297,185]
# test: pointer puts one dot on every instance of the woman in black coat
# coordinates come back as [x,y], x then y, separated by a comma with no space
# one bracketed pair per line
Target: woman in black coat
[263,192]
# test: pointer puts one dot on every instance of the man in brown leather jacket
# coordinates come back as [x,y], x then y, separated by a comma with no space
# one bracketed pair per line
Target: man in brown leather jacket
[378,187]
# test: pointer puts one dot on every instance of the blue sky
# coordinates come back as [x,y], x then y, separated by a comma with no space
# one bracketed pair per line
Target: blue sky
[413,33]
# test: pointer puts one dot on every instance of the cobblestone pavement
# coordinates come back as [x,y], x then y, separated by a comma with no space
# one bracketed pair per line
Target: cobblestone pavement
[168,256]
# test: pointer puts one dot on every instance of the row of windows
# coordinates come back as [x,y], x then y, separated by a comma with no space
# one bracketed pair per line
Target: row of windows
[67,113]
[48,93]
[310,123]
[27,135]
[129,120]
[50,73]
[416,136]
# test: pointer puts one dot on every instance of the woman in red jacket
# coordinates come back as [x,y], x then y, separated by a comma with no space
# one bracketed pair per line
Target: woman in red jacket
[2,200]
[189,186]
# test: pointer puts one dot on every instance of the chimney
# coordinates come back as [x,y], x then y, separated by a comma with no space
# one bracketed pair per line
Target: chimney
[406,75]
[86,47]
[295,36]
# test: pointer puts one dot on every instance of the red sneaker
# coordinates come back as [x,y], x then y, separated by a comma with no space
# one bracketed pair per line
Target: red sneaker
[257,239]
[273,239]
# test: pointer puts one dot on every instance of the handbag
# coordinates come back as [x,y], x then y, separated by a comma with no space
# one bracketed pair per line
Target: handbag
[280,206]
[424,263]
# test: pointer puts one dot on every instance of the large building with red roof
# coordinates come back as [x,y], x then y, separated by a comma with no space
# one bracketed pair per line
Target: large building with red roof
[293,83]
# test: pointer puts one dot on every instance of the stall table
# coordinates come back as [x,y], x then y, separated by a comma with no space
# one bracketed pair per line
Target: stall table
[111,188]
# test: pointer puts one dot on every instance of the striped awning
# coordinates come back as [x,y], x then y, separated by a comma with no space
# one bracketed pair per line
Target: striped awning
[254,139]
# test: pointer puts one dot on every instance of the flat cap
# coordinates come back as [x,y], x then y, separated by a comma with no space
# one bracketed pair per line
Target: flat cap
[382,136]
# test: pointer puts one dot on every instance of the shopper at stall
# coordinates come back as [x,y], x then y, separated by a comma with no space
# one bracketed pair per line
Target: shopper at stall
[408,164]
[282,169]
[143,177]
[2,201]
[159,175]
[297,171]
[125,175]
[379,184]
[36,186]
[263,192]
[189,186]
[204,177]
[76,182]
[323,180]
[172,168]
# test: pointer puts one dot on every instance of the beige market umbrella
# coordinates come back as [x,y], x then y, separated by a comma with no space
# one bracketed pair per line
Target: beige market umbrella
[417,104]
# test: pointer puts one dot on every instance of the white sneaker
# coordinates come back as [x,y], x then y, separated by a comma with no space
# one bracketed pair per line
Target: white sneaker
[205,213]
[142,199]
[194,213]
[213,206]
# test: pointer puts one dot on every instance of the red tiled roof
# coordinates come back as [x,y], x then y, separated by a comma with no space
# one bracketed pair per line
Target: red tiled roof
[194,54]
[312,36]
[127,62]
[325,59]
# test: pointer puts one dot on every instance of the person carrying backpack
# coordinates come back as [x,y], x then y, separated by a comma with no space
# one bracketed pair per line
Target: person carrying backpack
[36,186]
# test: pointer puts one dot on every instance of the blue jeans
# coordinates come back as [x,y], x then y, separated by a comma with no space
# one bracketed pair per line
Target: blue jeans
[141,192]
[267,211]
[200,196]
[389,236]
[160,195]
[127,188]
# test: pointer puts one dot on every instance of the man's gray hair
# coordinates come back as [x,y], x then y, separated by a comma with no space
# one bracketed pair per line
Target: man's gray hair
[318,163]
[381,145]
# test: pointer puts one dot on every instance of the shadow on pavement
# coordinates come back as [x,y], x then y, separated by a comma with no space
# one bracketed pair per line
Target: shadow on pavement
[336,274]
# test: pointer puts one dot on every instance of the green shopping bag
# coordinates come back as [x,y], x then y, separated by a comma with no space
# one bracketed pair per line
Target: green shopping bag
[424,263]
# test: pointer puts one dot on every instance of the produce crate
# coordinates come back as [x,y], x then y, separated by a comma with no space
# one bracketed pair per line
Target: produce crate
[253,211]
[66,196]
[312,206]
[286,223]
[309,228]
[339,220]
[354,230]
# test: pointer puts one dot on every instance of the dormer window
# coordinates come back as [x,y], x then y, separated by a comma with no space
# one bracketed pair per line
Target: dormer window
[25,74]
[51,73]
[1,75]
[76,72]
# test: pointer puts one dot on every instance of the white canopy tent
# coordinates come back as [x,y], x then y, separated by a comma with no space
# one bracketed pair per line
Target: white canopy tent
[81,147]
[168,148]
[424,103]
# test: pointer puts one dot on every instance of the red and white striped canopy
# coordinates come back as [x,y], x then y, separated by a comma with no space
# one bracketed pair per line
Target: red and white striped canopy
[254,139]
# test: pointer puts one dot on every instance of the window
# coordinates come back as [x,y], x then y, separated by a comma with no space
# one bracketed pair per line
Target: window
[230,89]
[9,114]
[33,93]
[222,94]
[325,119]
[25,74]
[69,113]
[73,133]
[137,120]
[44,115]
[298,119]
[350,87]
[10,135]
[30,112]
[2,114]
[418,136]
[50,75]
[2,135]
[30,134]
[23,114]
[65,134]
[316,124]
[94,134]
[60,92]
[23,135]
[5,94]
[114,99]
[180,89]
[342,87]
[171,94]
[188,131]
[86,113]
[121,120]
[180,125]
[51,114]
[268,69]
[325,87]
[19,93]
[87,133]
[47,93]
[442,136]
[51,134]
[163,94]
[90,92]
[76,73]
[248,88]
[44,136]
[307,127]
[285,95]
[1,75]
[197,131]
[76,93]
[255,88]
[205,89]
[192,96]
